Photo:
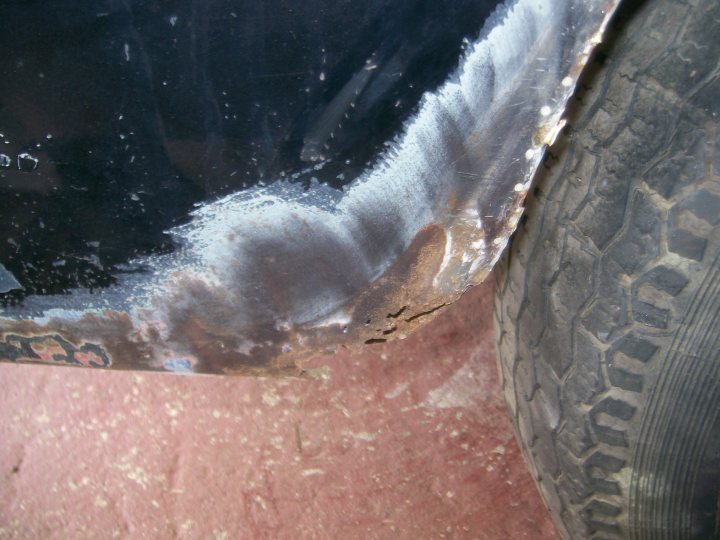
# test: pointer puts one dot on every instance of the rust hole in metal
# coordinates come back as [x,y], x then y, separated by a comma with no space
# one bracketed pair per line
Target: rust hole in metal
[424,313]
[397,313]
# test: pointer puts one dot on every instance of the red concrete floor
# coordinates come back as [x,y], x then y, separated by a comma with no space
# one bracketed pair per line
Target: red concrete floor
[407,440]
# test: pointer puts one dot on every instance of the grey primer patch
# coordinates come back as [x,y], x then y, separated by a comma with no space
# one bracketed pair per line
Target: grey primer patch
[279,269]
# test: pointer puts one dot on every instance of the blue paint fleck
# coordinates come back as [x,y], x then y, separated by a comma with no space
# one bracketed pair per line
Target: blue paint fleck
[178,365]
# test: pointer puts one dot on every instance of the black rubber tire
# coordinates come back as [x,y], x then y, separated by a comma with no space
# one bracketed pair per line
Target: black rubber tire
[607,303]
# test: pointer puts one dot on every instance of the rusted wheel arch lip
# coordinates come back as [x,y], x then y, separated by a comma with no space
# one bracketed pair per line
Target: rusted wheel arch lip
[270,276]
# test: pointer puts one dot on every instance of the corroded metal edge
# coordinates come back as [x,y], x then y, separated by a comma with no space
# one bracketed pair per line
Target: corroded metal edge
[272,276]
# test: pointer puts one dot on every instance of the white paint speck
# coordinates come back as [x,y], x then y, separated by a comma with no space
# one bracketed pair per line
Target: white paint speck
[395,392]
[360,435]
[271,398]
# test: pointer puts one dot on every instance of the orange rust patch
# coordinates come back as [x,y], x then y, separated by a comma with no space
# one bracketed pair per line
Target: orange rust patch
[397,302]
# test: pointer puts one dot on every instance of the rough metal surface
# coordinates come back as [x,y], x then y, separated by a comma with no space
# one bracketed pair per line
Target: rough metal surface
[268,276]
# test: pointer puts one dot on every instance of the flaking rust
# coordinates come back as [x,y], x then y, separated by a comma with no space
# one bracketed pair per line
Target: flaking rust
[267,280]
[396,304]
[398,301]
